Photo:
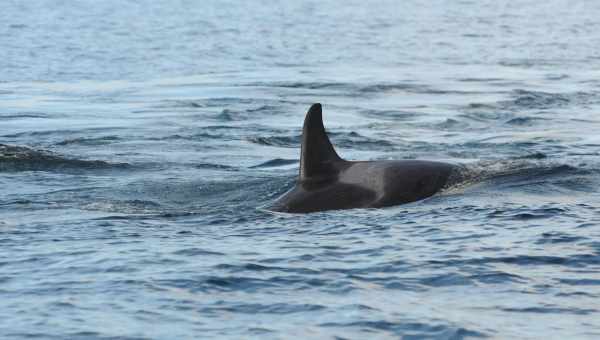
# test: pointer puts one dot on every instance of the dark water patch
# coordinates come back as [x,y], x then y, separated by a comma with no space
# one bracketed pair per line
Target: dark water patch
[480,80]
[279,141]
[244,105]
[577,294]
[452,125]
[18,26]
[408,329]
[276,162]
[498,277]
[527,213]
[389,114]
[480,116]
[514,172]
[538,178]
[528,63]
[18,158]
[305,85]
[354,140]
[525,260]
[558,237]
[452,279]
[258,308]
[537,100]
[551,310]
[405,87]
[525,216]
[212,166]
[526,121]
[351,140]
[182,104]
[529,100]
[536,155]
[445,240]
[525,100]
[557,76]
[248,113]
[479,106]
[90,141]
[34,135]
[220,133]
[581,281]
[253,267]
[19,115]
[194,137]
[231,115]
[222,284]
[197,252]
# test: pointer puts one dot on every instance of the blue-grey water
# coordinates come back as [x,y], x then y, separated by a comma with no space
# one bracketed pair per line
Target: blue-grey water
[141,141]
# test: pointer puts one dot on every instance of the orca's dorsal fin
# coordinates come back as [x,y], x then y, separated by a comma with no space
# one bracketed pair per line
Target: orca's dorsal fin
[318,159]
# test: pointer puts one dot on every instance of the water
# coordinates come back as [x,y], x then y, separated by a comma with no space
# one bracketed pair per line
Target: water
[141,139]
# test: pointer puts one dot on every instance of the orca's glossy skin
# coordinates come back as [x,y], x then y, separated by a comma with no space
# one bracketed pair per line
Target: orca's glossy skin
[327,182]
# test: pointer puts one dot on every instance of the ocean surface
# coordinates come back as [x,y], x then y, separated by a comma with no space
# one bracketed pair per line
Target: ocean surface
[141,142]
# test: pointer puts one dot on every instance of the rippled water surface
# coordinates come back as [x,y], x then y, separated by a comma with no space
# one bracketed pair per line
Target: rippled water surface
[141,139]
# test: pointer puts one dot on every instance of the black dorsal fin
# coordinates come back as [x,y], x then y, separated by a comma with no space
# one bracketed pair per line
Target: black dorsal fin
[318,159]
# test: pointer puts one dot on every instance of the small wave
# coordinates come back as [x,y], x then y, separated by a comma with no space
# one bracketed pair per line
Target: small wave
[529,214]
[305,85]
[557,237]
[45,133]
[401,329]
[511,168]
[281,141]
[537,155]
[89,141]
[194,137]
[213,166]
[276,162]
[452,124]
[18,158]
[525,260]
[527,100]
[247,113]
[537,99]
[407,87]
[482,80]
[181,104]
[354,140]
[19,115]
[525,121]
[551,310]
[213,283]
[231,115]
[258,308]
[389,114]
[197,252]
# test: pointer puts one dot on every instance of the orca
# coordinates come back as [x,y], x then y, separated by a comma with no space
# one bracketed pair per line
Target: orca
[328,182]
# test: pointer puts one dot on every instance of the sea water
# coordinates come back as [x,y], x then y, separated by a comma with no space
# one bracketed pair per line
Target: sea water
[142,140]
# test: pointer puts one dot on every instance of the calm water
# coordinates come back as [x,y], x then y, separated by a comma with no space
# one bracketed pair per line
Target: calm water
[140,140]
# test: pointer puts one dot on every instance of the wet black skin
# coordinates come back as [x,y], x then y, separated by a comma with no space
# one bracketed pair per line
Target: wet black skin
[327,182]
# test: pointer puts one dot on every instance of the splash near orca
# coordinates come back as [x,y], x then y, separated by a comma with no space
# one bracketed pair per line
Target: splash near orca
[328,182]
